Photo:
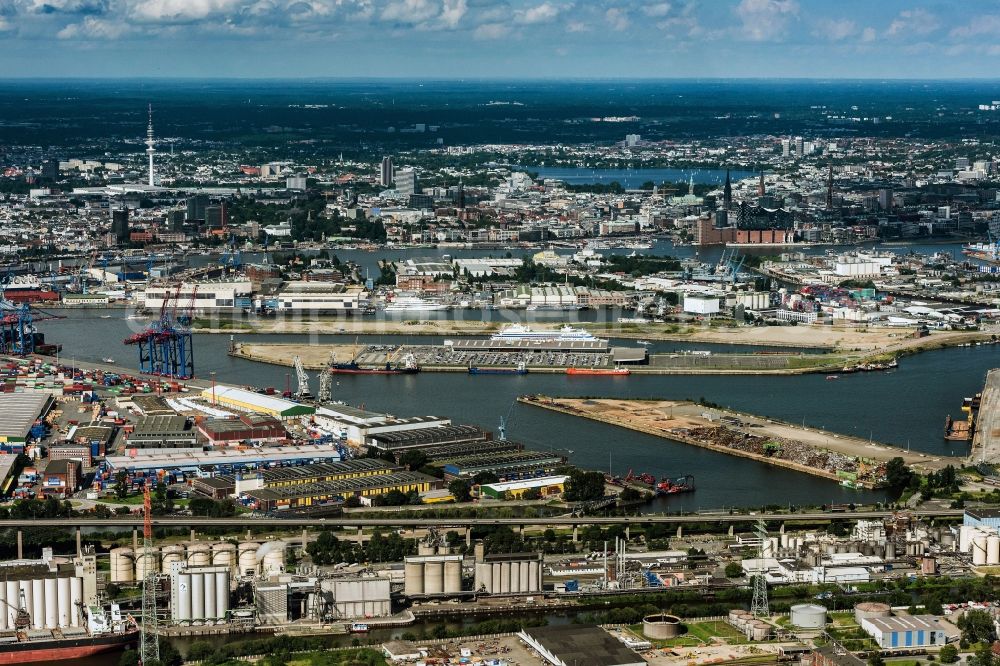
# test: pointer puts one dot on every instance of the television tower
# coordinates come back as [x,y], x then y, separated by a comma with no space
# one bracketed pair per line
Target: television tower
[149,144]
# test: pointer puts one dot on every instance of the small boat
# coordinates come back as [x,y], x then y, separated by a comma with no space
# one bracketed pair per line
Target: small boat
[108,359]
[358,628]
[645,343]
[105,316]
[831,377]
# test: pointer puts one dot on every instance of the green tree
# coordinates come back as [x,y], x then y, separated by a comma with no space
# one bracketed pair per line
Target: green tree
[584,486]
[734,570]
[949,654]
[876,659]
[461,490]
[977,627]
[897,475]
[121,487]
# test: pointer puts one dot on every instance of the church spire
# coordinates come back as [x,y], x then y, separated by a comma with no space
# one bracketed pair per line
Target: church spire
[727,193]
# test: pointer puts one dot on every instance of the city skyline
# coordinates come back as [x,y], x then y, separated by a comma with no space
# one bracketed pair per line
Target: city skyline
[530,39]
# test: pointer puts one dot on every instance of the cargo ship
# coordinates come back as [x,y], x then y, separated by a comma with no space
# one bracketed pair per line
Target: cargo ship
[615,372]
[105,632]
[520,369]
[409,366]
[988,252]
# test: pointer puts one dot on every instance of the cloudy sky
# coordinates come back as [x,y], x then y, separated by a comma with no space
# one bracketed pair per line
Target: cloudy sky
[500,38]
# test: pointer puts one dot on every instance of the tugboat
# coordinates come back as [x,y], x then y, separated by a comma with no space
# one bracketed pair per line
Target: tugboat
[683,484]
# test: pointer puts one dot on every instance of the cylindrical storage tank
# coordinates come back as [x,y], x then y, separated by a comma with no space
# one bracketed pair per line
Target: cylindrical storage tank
[4,605]
[184,592]
[947,540]
[210,613]
[505,578]
[37,603]
[146,565]
[768,550]
[515,577]
[273,562]
[871,609]
[413,578]
[224,555]
[783,540]
[424,549]
[197,596]
[433,578]
[483,577]
[890,550]
[661,627]
[199,555]
[221,593]
[62,597]
[14,597]
[525,584]
[75,599]
[247,554]
[743,618]
[758,631]
[453,577]
[965,538]
[495,575]
[536,576]
[808,616]
[993,550]
[51,603]
[170,555]
[867,548]
[979,550]
[735,615]
[122,565]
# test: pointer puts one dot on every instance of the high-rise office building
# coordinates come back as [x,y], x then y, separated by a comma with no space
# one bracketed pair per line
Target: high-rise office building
[295,183]
[196,207]
[119,224]
[50,170]
[406,182]
[175,220]
[800,146]
[786,147]
[632,140]
[213,217]
[885,199]
[385,174]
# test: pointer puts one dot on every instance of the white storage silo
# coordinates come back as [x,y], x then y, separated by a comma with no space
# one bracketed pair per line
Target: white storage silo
[37,603]
[505,578]
[993,549]
[247,555]
[184,594]
[965,533]
[209,585]
[482,579]
[224,555]
[979,550]
[272,558]
[452,576]
[75,599]
[122,565]
[170,555]
[524,584]
[808,616]
[495,575]
[197,596]
[515,576]
[13,601]
[63,599]
[221,593]
[413,578]
[199,555]
[51,603]
[433,577]
[146,565]
[536,576]
[27,589]
[4,614]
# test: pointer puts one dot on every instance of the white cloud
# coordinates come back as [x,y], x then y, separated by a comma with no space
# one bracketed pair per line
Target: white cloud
[868,34]
[452,12]
[988,24]
[577,26]
[765,20]
[410,11]
[657,9]
[835,30]
[93,28]
[617,18]
[180,11]
[542,13]
[913,22]
[491,31]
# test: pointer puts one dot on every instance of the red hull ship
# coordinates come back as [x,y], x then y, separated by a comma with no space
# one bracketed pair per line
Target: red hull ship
[616,372]
[59,649]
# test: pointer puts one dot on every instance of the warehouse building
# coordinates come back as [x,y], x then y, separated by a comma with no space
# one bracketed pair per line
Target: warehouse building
[506,465]
[159,433]
[450,451]
[310,297]
[357,425]
[202,296]
[546,485]
[332,492]
[982,517]
[70,451]
[96,436]
[282,477]
[576,645]
[242,400]
[61,477]
[18,414]
[426,438]
[905,631]
[348,598]
[225,461]
[247,428]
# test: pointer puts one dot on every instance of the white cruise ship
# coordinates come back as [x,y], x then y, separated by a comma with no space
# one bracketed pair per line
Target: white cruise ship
[413,304]
[522,332]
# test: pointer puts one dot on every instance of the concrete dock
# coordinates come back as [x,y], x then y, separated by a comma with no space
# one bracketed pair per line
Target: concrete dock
[770,441]
[986,441]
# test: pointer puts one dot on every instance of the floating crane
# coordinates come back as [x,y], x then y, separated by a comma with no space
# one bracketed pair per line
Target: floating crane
[326,382]
[303,392]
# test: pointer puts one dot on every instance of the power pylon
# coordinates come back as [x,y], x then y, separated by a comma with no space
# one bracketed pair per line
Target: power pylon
[149,642]
[759,605]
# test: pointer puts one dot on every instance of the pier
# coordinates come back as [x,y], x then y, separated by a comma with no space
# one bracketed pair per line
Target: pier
[850,460]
